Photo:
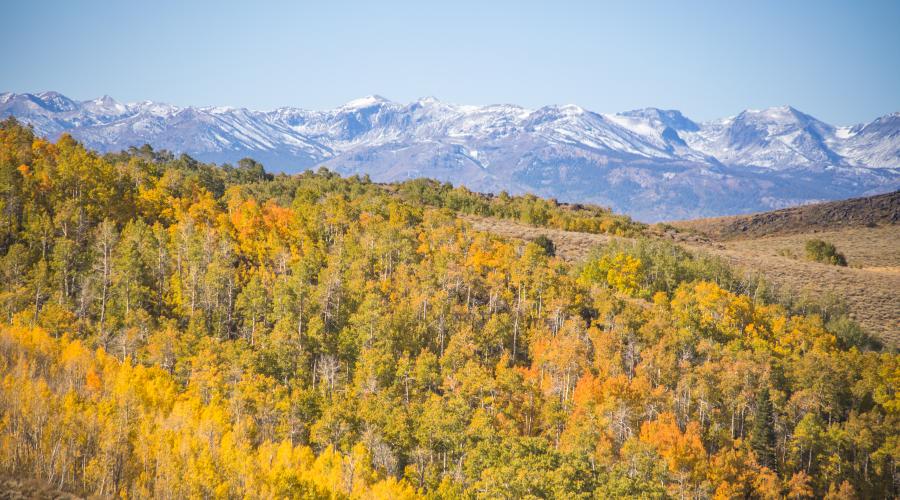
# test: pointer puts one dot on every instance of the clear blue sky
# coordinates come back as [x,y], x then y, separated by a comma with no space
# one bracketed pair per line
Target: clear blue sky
[839,61]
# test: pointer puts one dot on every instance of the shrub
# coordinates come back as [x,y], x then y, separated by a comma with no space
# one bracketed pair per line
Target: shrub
[824,252]
[547,244]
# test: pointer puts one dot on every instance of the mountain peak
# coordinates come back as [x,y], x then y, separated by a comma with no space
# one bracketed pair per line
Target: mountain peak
[106,100]
[565,109]
[751,161]
[430,99]
[105,105]
[366,102]
[783,118]
[56,101]
[665,117]
[50,94]
[771,113]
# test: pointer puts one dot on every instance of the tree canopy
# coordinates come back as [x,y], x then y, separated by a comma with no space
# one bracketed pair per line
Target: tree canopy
[177,329]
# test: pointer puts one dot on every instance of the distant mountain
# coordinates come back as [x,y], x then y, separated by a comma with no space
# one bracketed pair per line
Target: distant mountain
[772,138]
[653,164]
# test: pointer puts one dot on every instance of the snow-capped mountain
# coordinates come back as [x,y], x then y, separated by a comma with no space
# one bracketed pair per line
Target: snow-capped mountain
[876,144]
[771,138]
[651,163]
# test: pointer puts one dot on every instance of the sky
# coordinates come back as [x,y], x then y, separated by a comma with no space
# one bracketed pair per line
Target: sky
[837,60]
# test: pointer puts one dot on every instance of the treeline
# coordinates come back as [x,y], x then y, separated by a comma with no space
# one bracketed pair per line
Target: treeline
[528,208]
[176,329]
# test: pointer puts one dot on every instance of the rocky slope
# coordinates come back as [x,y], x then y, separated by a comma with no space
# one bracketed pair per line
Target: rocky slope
[872,211]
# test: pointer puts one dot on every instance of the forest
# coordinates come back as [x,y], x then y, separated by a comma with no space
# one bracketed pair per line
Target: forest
[175,329]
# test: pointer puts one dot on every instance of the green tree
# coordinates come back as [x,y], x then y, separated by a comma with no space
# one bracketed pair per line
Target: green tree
[762,434]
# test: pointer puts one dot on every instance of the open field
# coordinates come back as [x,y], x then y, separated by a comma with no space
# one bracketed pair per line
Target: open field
[867,248]
[570,245]
[870,292]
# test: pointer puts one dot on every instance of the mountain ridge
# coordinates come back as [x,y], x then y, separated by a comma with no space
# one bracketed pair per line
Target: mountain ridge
[651,163]
[866,212]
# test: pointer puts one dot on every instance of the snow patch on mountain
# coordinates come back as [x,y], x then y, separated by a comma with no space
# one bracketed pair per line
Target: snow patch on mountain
[652,163]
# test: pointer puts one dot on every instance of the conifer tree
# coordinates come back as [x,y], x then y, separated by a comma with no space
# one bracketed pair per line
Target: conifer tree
[762,433]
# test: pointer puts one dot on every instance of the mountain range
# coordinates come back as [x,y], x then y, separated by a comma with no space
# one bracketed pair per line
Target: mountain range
[652,164]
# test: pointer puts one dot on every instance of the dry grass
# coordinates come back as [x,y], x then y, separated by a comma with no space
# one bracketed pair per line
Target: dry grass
[864,247]
[570,245]
[870,292]
[870,286]
[28,488]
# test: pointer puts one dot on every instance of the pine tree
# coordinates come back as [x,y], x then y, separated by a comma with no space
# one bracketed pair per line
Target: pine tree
[762,433]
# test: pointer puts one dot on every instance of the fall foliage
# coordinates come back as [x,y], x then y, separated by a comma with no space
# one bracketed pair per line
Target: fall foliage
[176,329]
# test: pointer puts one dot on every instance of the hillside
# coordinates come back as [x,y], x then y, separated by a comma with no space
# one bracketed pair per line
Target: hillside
[176,329]
[853,213]
[652,164]
[869,289]
[866,230]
